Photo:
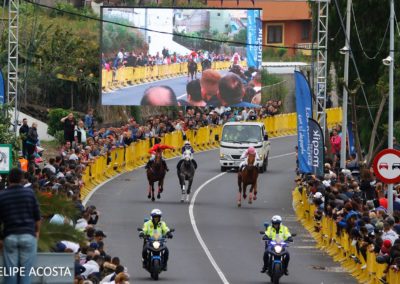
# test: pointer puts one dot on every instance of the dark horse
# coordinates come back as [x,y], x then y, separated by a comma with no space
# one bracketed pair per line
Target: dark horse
[248,176]
[205,64]
[156,172]
[186,173]
[192,69]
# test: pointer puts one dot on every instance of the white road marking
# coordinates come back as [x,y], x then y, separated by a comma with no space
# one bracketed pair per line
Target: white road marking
[196,230]
[184,95]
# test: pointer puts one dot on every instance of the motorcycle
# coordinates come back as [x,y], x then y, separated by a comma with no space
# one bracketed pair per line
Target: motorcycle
[277,250]
[155,252]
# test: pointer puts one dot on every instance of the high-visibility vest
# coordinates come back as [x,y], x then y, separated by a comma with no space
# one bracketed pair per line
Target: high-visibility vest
[23,164]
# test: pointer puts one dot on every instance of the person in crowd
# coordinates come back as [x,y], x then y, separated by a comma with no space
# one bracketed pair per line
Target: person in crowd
[23,133]
[209,87]
[193,90]
[69,127]
[159,96]
[32,141]
[20,219]
[231,92]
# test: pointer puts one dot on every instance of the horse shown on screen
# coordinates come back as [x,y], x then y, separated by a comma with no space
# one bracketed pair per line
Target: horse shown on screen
[192,69]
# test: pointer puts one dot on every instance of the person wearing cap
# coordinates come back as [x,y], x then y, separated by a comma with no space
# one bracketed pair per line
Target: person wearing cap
[99,235]
[187,147]
[245,155]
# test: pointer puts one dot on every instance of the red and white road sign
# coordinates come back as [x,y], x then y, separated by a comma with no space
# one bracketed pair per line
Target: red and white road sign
[387,166]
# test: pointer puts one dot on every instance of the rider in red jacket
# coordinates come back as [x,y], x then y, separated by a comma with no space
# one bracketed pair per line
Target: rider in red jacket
[153,150]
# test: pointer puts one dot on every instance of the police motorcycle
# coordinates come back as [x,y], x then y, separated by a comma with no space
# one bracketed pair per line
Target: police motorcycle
[277,250]
[155,252]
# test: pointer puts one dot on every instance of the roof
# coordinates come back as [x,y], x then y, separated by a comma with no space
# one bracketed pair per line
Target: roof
[244,123]
[272,11]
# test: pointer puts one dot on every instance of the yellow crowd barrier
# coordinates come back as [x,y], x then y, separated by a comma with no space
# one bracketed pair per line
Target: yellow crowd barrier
[129,158]
[123,76]
[339,245]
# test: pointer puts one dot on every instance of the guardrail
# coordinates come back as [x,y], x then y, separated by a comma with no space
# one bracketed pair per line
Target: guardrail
[126,159]
[340,246]
[124,76]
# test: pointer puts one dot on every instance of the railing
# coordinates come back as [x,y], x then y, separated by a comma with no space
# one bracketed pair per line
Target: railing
[307,48]
[340,246]
[131,157]
[124,76]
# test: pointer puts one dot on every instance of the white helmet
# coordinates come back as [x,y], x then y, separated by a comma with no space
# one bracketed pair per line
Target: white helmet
[156,212]
[276,219]
[187,142]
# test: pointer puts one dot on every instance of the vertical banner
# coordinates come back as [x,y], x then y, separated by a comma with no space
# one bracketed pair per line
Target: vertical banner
[253,49]
[316,148]
[2,89]
[350,137]
[259,39]
[303,112]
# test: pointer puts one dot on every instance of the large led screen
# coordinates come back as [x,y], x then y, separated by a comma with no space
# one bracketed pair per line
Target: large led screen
[181,57]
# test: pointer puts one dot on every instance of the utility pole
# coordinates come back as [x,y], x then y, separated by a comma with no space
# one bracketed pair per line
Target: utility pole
[391,71]
[346,52]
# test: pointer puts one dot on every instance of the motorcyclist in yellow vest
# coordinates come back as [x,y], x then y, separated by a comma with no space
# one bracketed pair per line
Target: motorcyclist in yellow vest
[271,233]
[149,227]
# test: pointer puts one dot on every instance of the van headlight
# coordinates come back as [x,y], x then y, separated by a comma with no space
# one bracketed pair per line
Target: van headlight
[156,245]
[278,249]
[222,156]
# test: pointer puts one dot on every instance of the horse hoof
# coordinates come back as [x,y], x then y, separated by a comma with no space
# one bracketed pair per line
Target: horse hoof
[255,197]
[152,199]
[149,196]
[250,202]
[244,196]
[158,196]
[187,198]
[239,204]
[182,200]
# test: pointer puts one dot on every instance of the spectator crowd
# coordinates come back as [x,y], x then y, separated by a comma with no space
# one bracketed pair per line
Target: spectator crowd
[357,201]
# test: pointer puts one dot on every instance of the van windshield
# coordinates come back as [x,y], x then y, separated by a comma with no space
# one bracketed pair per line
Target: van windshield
[241,134]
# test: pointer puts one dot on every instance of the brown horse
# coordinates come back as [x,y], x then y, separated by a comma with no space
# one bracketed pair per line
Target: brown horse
[192,69]
[248,176]
[156,173]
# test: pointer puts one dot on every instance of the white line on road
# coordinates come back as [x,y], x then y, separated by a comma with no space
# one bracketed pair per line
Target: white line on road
[196,230]
[181,96]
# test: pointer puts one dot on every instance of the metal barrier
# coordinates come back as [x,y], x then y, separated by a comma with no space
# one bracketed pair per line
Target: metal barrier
[123,76]
[339,244]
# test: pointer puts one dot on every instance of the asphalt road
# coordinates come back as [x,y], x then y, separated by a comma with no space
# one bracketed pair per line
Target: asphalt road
[231,234]
[132,95]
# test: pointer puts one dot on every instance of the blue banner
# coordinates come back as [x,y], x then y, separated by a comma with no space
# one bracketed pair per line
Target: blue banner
[303,112]
[315,148]
[350,137]
[254,39]
[2,89]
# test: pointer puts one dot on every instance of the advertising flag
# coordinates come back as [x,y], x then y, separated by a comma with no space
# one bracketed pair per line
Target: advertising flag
[350,136]
[303,112]
[315,148]
[254,38]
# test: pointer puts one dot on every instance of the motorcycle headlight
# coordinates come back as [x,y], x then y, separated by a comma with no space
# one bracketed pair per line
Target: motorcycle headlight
[278,249]
[156,245]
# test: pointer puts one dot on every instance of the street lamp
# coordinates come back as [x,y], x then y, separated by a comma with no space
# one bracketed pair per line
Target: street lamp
[344,50]
[387,61]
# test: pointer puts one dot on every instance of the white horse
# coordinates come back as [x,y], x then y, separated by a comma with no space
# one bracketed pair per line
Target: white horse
[186,173]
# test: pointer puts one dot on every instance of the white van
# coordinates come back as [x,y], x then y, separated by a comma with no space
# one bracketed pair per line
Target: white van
[237,137]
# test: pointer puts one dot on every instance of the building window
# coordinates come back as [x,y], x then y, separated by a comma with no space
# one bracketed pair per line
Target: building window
[305,30]
[274,34]
[219,14]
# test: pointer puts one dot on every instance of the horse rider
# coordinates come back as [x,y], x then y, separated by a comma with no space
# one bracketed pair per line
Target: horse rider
[153,150]
[149,227]
[250,151]
[187,146]
[271,235]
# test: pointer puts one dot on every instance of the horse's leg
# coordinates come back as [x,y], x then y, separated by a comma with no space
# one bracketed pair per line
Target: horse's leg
[239,197]
[182,182]
[188,190]
[251,194]
[255,190]
[152,192]
[149,191]
[160,188]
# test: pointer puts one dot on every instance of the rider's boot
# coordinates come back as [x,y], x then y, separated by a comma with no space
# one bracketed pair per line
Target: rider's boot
[179,164]
[195,164]
[148,165]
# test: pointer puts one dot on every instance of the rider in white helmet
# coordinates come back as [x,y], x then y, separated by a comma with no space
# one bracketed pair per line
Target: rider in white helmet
[245,155]
[187,146]
[276,228]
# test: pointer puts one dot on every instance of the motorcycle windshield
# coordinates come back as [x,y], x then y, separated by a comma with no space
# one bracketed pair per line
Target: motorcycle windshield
[279,239]
[156,235]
